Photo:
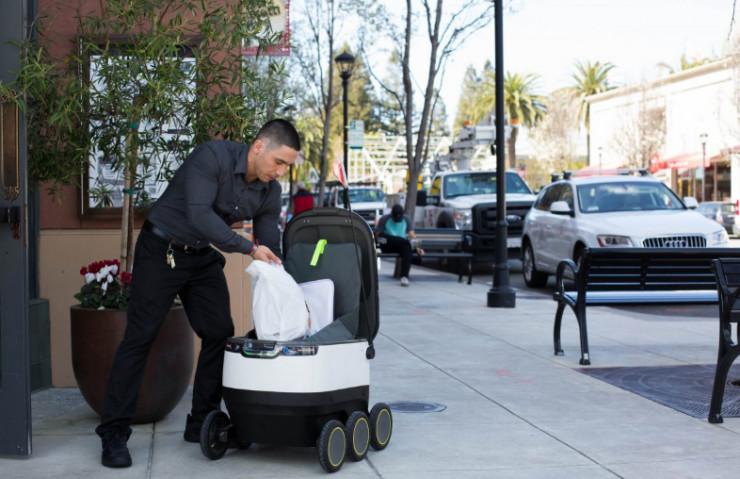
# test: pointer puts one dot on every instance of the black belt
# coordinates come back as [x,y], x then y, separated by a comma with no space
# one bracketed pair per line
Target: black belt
[162,234]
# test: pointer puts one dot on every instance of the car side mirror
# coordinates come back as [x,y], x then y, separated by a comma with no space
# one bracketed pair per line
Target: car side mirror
[561,208]
[690,202]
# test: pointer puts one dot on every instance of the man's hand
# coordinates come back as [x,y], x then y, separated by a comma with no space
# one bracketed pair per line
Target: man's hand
[412,234]
[263,253]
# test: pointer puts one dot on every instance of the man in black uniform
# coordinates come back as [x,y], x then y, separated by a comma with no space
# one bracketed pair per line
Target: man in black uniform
[220,183]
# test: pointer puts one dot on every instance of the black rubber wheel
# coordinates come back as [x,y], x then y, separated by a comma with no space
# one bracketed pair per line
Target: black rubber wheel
[381,426]
[332,445]
[532,277]
[214,435]
[358,435]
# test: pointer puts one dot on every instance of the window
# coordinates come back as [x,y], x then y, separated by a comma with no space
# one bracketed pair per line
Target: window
[482,184]
[163,136]
[626,196]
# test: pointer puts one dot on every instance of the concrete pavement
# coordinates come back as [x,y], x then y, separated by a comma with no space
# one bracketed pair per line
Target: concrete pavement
[513,410]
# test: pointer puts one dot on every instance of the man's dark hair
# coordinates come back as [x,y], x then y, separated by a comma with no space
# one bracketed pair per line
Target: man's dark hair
[280,132]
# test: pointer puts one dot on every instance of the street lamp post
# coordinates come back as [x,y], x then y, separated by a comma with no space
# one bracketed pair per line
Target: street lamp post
[345,62]
[501,294]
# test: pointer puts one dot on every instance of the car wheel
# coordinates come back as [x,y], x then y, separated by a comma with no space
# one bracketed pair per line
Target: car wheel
[532,277]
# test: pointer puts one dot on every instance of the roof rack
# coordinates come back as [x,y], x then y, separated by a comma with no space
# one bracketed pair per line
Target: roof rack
[566,175]
[554,177]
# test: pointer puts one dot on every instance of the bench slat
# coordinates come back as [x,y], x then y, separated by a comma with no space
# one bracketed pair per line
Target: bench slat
[646,297]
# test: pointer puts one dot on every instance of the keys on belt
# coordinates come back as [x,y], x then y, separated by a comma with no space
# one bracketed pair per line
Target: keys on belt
[172,245]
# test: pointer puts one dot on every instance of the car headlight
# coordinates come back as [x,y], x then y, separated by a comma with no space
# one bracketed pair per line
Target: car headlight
[718,238]
[463,219]
[613,240]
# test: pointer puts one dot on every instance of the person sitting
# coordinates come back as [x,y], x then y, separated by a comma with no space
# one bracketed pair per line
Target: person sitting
[394,233]
[302,199]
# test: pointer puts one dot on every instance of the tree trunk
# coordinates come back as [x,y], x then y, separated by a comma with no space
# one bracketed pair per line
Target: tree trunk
[328,100]
[512,147]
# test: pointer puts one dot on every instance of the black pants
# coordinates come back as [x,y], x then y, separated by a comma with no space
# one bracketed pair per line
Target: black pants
[401,246]
[199,280]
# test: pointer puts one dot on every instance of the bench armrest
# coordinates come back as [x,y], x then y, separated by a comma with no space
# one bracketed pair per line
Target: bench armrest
[566,264]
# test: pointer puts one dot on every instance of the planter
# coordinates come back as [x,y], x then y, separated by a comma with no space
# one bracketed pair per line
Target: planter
[96,335]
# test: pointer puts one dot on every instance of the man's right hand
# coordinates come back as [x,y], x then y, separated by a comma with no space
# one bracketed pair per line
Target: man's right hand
[263,253]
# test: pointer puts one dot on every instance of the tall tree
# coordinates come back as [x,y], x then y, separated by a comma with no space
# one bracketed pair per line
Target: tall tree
[444,33]
[523,107]
[313,42]
[590,78]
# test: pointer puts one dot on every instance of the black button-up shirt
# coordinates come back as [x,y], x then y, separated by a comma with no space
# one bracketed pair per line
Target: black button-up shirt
[209,192]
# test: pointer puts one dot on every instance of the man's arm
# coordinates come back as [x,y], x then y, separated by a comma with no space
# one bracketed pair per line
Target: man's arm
[201,189]
[265,224]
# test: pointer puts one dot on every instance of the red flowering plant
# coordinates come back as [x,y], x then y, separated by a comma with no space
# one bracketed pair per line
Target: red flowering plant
[106,286]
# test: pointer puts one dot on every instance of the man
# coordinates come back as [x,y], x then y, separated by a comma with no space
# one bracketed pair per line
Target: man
[302,199]
[394,233]
[220,183]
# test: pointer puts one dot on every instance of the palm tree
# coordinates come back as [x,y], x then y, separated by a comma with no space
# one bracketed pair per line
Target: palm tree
[590,78]
[523,107]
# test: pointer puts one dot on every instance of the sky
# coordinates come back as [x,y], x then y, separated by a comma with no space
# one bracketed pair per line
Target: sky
[547,37]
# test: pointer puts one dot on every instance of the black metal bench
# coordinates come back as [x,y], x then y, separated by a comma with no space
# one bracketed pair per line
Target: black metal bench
[439,243]
[614,276]
[728,282]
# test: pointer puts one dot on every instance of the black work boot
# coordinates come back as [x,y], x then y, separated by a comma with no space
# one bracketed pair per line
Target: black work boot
[192,429]
[115,452]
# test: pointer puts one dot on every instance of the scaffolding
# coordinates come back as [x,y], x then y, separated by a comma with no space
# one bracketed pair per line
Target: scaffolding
[382,160]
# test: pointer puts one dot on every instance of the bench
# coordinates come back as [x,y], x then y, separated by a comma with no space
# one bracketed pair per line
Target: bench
[727,272]
[439,243]
[617,276]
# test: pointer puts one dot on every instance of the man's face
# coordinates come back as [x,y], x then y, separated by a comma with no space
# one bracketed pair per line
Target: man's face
[272,162]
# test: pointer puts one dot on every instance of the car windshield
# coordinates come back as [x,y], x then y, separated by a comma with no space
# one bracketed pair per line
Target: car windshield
[626,196]
[365,195]
[481,184]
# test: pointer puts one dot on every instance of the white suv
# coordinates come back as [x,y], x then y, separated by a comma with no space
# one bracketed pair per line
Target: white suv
[620,211]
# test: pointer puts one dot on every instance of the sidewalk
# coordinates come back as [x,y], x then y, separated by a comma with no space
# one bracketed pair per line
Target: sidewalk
[513,410]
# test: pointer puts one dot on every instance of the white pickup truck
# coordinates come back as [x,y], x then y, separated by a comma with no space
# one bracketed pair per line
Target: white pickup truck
[466,201]
[366,201]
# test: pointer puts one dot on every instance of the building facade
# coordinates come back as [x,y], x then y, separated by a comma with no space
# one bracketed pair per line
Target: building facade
[683,128]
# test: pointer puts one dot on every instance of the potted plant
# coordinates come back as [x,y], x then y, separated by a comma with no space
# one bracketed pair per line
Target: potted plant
[144,83]
[98,324]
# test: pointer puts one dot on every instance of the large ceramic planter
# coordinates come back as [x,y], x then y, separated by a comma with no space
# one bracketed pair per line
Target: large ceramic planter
[96,335]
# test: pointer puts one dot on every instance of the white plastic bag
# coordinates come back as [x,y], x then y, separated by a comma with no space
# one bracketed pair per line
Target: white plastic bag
[278,305]
[320,302]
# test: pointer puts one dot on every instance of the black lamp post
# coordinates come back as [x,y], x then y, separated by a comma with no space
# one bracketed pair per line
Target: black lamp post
[501,295]
[345,62]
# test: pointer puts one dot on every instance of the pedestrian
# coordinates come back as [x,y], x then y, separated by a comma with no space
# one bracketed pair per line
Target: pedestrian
[394,234]
[219,183]
[302,199]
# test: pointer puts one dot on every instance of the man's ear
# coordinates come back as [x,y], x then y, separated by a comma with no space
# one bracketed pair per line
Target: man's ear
[258,145]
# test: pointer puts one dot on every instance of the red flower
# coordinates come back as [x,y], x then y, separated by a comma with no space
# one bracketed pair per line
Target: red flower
[83,271]
[126,278]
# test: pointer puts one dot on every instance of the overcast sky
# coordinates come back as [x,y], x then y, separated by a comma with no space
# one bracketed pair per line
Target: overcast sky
[547,37]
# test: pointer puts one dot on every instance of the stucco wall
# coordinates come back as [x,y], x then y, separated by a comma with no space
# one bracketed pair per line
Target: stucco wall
[64,252]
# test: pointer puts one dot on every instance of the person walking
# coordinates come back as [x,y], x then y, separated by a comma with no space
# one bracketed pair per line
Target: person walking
[219,183]
[302,199]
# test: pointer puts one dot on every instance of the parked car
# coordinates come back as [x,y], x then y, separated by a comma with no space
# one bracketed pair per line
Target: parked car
[720,211]
[619,211]
[366,201]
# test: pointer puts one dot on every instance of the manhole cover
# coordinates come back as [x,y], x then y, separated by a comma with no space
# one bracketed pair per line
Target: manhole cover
[415,406]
